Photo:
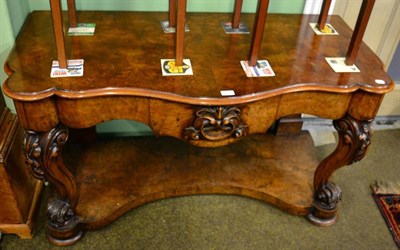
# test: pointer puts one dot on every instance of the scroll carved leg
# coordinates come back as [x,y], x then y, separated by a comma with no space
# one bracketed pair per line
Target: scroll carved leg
[43,156]
[354,140]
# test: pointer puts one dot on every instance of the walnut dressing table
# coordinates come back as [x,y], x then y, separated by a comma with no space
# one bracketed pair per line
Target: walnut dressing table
[205,143]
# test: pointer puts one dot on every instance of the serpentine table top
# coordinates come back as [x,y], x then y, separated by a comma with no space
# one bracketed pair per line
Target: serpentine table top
[123,58]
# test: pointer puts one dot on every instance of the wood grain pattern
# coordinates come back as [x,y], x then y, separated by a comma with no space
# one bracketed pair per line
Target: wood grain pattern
[19,191]
[135,70]
[123,81]
[151,162]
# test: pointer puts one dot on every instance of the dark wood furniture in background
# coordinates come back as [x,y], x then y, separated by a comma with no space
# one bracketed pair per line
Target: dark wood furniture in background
[230,151]
[19,191]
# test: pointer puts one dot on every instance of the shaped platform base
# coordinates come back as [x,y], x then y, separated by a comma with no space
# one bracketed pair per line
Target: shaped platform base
[126,173]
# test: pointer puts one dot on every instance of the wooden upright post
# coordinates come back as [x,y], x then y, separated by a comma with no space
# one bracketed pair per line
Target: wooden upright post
[72,13]
[236,14]
[359,30]
[172,13]
[56,15]
[324,14]
[258,31]
[180,32]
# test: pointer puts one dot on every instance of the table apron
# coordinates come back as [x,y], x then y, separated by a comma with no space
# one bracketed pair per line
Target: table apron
[172,118]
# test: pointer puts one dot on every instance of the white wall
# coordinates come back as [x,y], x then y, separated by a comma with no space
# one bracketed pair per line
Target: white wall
[383,30]
[18,11]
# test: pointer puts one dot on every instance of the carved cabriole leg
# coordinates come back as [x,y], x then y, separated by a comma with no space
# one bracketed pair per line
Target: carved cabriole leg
[43,155]
[354,139]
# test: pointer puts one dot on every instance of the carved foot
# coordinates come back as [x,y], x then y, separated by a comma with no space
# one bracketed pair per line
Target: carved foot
[62,223]
[325,205]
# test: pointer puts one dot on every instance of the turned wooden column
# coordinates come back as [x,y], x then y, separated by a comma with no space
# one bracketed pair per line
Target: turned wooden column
[236,14]
[359,30]
[172,13]
[72,13]
[180,32]
[56,15]
[324,14]
[258,30]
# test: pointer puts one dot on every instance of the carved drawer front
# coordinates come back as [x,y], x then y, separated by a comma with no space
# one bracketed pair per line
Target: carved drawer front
[216,123]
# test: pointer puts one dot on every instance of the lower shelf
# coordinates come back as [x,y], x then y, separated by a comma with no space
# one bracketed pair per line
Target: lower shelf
[116,176]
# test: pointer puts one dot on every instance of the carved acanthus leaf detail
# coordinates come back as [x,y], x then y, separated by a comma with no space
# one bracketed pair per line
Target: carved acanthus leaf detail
[356,133]
[216,123]
[33,155]
[40,148]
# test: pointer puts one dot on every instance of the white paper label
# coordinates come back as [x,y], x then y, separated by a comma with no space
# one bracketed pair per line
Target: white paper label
[229,92]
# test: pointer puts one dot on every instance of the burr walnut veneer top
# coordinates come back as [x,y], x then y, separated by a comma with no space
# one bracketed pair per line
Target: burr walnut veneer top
[123,58]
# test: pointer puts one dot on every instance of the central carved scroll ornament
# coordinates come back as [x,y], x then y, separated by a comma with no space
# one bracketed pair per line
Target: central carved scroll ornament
[216,123]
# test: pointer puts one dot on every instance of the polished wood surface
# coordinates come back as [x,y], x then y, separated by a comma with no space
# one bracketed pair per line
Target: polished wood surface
[323,16]
[132,66]
[57,19]
[172,13]
[237,12]
[72,13]
[359,30]
[180,32]
[258,31]
[123,80]
[140,163]
[19,191]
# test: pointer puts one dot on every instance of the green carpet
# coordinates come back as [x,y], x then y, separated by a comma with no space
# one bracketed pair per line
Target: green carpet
[232,222]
